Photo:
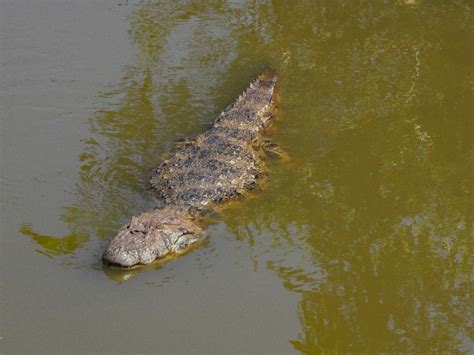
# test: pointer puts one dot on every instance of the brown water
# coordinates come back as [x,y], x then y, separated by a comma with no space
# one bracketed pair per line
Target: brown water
[362,242]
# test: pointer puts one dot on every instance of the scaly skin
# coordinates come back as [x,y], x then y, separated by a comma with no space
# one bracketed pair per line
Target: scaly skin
[213,167]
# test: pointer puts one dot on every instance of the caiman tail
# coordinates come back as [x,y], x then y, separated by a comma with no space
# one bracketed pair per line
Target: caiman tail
[213,167]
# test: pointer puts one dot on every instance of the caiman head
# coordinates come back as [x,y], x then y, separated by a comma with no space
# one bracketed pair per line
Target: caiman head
[152,235]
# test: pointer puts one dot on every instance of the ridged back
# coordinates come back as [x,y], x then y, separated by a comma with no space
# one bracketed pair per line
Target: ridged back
[221,163]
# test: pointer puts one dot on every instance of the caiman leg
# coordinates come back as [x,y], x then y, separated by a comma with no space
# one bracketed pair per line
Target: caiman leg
[275,151]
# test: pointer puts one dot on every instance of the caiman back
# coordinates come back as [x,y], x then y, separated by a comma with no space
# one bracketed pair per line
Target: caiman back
[224,161]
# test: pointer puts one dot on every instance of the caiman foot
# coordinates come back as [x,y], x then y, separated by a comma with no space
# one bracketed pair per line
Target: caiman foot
[275,151]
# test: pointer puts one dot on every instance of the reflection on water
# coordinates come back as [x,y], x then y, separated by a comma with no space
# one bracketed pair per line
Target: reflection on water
[371,222]
[121,275]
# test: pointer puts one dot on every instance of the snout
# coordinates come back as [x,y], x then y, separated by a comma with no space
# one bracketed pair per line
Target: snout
[127,249]
[151,235]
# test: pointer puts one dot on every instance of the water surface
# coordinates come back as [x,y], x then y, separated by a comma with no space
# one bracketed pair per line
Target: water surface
[363,241]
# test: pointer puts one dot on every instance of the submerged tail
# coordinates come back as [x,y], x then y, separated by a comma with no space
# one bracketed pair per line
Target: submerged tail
[251,108]
[260,91]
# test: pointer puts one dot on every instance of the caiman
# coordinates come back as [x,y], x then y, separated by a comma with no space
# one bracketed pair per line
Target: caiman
[209,169]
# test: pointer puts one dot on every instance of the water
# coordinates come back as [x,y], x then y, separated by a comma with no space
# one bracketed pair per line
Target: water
[363,241]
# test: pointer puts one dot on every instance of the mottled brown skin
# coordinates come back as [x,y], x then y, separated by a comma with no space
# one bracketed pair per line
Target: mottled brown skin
[152,235]
[213,167]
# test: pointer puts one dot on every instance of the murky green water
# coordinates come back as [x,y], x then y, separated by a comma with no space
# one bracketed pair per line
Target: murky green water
[362,242]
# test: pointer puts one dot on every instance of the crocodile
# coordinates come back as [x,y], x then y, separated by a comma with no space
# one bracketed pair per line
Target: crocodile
[203,171]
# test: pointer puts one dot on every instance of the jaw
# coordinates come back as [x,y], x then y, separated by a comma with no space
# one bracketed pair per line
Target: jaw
[152,235]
